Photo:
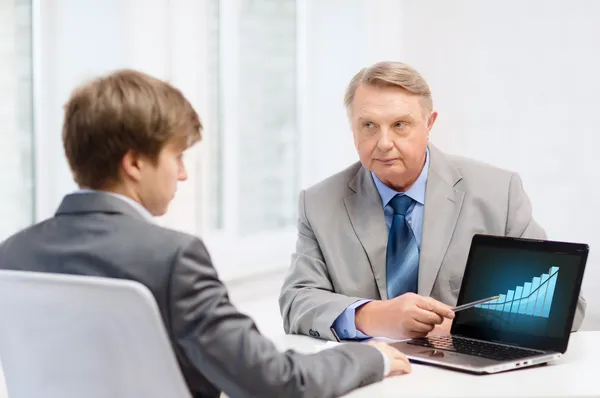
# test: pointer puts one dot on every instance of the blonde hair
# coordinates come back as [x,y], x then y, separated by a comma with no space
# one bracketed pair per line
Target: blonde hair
[391,74]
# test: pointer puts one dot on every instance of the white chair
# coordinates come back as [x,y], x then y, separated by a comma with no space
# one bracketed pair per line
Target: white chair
[64,336]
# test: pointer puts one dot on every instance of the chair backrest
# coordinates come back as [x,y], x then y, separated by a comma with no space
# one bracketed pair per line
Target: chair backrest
[65,336]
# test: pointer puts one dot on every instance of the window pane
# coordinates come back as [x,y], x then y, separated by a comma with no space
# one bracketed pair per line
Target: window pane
[16,104]
[267,172]
[215,210]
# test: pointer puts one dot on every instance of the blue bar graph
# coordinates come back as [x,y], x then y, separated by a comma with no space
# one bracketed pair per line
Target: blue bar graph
[535,284]
[550,293]
[517,298]
[509,300]
[523,301]
[539,304]
[533,298]
[500,302]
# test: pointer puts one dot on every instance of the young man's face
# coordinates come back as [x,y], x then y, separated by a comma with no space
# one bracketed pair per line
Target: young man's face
[158,182]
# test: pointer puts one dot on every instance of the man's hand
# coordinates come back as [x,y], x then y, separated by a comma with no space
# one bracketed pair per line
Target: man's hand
[406,316]
[399,363]
[443,329]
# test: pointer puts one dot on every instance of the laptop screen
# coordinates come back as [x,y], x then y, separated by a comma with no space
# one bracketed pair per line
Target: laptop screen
[538,283]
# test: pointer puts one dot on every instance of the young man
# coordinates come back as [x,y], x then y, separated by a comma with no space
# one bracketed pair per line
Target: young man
[124,136]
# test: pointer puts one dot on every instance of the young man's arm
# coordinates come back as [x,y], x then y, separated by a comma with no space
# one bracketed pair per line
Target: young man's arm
[226,347]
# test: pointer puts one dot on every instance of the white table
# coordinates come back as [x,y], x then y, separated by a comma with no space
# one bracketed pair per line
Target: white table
[576,374]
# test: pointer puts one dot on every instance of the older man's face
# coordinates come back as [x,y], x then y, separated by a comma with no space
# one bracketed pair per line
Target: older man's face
[391,130]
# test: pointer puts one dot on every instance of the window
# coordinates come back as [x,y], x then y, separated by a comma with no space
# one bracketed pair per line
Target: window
[253,134]
[16,150]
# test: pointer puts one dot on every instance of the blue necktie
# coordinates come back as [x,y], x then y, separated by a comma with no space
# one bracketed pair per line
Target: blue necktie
[402,258]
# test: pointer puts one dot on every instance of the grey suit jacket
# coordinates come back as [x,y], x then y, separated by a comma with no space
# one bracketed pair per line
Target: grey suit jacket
[218,348]
[342,238]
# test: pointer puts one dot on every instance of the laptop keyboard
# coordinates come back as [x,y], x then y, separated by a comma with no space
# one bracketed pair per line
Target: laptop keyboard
[474,347]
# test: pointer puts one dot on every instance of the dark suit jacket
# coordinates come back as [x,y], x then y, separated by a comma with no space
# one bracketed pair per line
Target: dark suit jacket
[218,348]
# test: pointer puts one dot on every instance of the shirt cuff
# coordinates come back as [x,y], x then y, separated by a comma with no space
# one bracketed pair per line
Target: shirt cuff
[345,325]
[386,363]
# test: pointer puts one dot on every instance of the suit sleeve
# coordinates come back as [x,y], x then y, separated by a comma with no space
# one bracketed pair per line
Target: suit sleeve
[307,301]
[520,223]
[226,347]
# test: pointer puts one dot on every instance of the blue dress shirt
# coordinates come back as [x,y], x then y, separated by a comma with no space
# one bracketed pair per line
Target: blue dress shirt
[344,325]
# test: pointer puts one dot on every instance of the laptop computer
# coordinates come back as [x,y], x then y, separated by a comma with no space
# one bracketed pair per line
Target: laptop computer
[538,282]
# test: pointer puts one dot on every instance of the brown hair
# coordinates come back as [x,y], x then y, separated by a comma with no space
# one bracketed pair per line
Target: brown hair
[396,74]
[122,111]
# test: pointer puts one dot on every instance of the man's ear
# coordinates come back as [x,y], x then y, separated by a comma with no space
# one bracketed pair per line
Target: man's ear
[132,164]
[431,120]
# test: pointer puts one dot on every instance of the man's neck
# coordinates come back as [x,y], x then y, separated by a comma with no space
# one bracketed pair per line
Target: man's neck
[125,195]
[116,189]
[405,187]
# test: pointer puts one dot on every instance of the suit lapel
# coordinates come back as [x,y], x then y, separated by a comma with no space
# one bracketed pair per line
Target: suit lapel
[366,215]
[442,208]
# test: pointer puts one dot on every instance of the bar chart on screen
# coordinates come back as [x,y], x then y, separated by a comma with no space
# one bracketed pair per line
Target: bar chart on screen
[532,298]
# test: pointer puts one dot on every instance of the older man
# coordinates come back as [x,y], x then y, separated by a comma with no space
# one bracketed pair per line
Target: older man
[382,245]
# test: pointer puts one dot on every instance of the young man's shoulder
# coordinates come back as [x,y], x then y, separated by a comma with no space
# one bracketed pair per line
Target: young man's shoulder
[157,235]
[124,233]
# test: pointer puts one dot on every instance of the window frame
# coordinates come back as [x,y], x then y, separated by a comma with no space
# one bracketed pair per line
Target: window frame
[237,256]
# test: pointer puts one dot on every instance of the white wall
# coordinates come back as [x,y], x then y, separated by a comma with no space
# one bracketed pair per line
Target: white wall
[516,84]
[341,37]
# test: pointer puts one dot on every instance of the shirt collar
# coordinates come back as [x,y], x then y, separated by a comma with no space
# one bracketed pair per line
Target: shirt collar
[415,192]
[135,204]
